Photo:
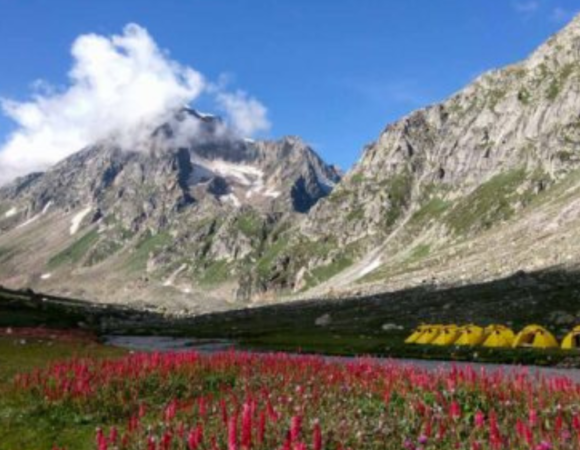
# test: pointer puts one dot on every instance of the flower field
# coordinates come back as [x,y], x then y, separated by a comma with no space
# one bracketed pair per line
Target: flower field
[237,401]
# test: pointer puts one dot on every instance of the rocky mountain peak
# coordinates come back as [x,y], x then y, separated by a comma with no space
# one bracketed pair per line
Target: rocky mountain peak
[481,185]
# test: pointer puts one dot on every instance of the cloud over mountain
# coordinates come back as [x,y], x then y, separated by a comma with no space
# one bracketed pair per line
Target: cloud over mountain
[121,86]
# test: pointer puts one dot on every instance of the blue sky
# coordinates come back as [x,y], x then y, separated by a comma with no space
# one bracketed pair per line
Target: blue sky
[335,72]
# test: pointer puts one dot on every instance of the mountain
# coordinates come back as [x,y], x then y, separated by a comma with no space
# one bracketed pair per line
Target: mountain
[178,220]
[479,187]
[475,188]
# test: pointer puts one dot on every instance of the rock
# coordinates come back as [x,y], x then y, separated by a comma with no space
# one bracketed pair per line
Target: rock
[562,318]
[323,321]
[391,327]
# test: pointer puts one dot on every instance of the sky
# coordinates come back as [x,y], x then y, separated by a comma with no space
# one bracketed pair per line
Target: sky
[334,72]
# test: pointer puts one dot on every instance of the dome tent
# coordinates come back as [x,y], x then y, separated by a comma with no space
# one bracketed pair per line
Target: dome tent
[498,336]
[535,336]
[447,336]
[412,339]
[572,339]
[470,335]
[429,335]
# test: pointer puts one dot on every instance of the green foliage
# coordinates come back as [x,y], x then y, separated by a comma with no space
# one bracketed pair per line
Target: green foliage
[357,178]
[338,195]
[495,96]
[559,80]
[215,273]
[75,252]
[419,252]
[149,243]
[272,252]
[249,223]
[431,210]
[524,96]
[399,194]
[564,155]
[323,273]
[490,203]
[25,425]
[356,214]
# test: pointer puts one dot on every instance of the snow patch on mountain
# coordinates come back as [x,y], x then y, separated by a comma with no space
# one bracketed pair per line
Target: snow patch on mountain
[370,267]
[76,220]
[11,212]
[37,216]
[231,198]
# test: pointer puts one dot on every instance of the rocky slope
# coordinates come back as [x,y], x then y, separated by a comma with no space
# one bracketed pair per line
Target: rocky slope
[476,188]
[175,222]
[481,186]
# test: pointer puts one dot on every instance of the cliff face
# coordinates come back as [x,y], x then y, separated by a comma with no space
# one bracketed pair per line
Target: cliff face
[484,170]
[483,185]
[177,224]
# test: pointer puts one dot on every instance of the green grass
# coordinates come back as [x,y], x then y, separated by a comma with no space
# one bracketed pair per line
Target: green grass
[399,195]
[215,273]
[24,425]
[524,96]
[250,224]
[559,80]
[148,244]
[491,203]
[494,97]
[431,210]
[75,252]
[270,255]
[324,273]
[419,252]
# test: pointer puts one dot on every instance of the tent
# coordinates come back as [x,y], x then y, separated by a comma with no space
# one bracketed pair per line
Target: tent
[572,339]
[429,335]
[498,336]
[412,339]
[535,336]
[471,335]
[447,336]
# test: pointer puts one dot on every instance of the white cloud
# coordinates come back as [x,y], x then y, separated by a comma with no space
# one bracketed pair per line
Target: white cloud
[248,115]
[122,86]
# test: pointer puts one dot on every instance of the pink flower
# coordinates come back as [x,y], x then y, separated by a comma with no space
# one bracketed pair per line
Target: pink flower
[233,433]
[317,437]
[295,428]
[479,419]
[455,410]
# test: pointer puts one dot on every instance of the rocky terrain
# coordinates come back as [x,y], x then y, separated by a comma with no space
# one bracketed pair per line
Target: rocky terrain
[479,187]
[176,223]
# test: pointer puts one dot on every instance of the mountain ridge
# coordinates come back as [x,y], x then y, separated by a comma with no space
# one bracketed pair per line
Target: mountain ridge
[463,191]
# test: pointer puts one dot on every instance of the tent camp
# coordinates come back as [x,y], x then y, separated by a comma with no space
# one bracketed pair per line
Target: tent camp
[447,336]
[498,336]
[535,336]
[412,339]
[429,335]
[470,335]
[572,339]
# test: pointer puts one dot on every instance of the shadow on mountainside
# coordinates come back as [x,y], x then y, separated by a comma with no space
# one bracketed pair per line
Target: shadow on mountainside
[550,298]
[375,325]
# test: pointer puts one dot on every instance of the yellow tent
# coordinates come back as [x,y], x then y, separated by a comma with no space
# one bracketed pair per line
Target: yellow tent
[471,335]
[535,336]
[429,335]
[498,336]
[572,339]
[447,336]
[412,339]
